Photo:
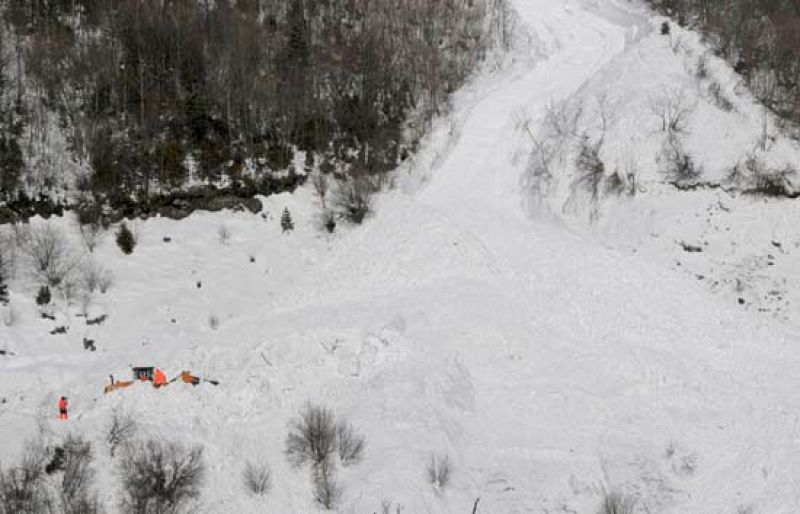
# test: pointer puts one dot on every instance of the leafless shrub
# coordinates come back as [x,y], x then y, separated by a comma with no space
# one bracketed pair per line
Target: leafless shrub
[74,489]
[91,275]
[674,109]
[678,165]
[23,489]
[538,177]
[561,119]
[312,436]
[257,478]
[50,256]
[161,477]
[224,234]
[439,471]
[350,443]
[354,198]
[588,184]
[121,430]
[326,492]
[616,503]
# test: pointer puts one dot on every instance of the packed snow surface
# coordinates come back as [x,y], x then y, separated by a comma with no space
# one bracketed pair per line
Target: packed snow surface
[456,321]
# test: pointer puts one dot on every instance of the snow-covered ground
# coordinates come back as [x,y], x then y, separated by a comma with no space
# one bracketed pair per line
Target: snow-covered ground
[550,359]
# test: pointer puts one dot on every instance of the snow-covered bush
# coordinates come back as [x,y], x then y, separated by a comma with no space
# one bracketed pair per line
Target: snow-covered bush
[257,478]
[439,471]
[106,281]
[160,477]
[10,316]
[616,503]
[224,234]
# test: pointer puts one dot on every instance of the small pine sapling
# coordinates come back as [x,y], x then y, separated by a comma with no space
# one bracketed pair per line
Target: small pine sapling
[286,220]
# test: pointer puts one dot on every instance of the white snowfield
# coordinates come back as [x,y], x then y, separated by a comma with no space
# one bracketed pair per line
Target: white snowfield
[456,321]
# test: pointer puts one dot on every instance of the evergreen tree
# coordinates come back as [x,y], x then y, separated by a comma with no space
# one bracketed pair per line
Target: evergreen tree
[125,239]
[286,220]
[43,297]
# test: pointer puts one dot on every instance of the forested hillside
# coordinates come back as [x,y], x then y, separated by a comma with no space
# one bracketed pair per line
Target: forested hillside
[148,97]
[760,38]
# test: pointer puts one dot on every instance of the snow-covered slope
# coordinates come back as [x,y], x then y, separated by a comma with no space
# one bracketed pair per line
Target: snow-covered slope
[548,367]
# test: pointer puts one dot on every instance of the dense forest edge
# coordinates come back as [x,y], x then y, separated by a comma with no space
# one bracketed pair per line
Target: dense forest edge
[142,107]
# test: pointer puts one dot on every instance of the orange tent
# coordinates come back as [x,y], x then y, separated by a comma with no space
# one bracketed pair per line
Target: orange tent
[159,379]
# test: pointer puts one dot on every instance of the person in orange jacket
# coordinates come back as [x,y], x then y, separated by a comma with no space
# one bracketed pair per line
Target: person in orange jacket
[62,408]
[159,378]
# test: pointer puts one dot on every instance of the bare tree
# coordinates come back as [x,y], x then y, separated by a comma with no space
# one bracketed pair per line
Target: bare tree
[51,258]
[674,109]
[312,436]
[121,430]
[678,165]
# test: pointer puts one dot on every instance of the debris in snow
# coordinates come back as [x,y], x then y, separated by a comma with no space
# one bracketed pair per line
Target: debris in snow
[97,321]
[691,248]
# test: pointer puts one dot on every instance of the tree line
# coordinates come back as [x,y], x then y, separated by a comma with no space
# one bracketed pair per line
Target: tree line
[151,95]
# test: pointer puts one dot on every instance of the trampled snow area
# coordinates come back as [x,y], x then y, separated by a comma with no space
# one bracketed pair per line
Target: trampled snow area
[550,363]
